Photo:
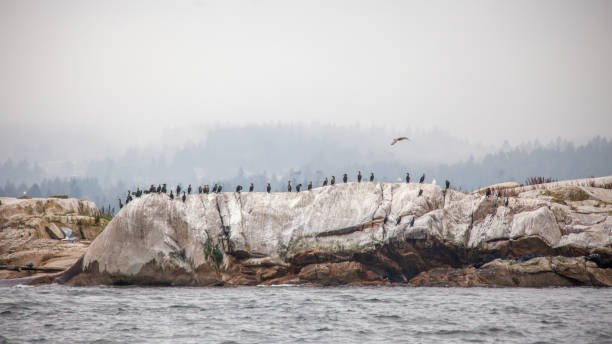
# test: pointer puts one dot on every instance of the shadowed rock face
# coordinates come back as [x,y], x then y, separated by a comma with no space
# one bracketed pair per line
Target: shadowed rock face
[348,233]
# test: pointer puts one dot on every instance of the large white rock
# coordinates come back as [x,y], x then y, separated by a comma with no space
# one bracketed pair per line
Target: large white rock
[348,217]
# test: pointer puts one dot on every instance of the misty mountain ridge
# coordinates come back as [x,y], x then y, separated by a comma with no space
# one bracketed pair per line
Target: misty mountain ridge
[276,154]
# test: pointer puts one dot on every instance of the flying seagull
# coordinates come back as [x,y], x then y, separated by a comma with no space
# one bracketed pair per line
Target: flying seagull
[399,139]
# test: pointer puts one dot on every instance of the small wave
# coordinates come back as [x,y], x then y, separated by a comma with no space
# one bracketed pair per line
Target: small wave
[385,316]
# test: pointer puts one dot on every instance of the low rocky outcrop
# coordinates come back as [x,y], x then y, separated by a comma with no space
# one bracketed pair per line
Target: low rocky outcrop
[48,233]
[361,233]
[536,272]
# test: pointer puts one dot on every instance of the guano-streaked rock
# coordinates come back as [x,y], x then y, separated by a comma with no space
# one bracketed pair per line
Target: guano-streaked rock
[347,233]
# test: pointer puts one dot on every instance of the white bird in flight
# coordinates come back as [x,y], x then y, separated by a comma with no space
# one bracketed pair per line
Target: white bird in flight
[396,140]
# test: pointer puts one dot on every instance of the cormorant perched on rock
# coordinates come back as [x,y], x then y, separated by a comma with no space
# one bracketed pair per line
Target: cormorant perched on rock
[506,202]
[422,178]
[371,176]
[178,189]
[298,187]
[333,180]
[189,189]
[219,188]
[499,193]
[163,188]
[420,193]
[199,189]
[251,187]
[399,219]
[184,197]
[325,182]
[447,184]
[238,188]
[289,186]
[344,178]
[206,189]
[158,188]
[407,177]
[120,204]
[359,177]
[171,195]
[152,188]
[488,192]
[268,188]
[412,221]
[309,185]
[215,188]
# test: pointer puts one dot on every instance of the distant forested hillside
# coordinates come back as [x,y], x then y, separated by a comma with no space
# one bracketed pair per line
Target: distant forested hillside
[243,155]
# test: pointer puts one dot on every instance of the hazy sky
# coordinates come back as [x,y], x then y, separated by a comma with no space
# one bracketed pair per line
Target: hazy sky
[122,72]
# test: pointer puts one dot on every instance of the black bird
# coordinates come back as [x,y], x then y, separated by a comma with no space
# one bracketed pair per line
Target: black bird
[499,193]
[120,204]
[422,178]
[163,188]
[420,193]
[219,188]
[506,202]
[289,186]
[268,188]
[251,187]
[371,176]
[215,188]
[158,188]
[184,197]
[399,219]
[309,185]
[333,180]
[238,188]
[171,195]
[412,221]
[488,192]
[189,189]
[178,189]
[298,187]
[447,184]
[399,139]
[200,189]
[152,188]
[206,189]
[344,178]
[359,177]
[407,177]
[325,182]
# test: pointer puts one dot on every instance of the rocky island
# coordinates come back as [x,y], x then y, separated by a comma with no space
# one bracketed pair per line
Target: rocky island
[369,233]
[39,236]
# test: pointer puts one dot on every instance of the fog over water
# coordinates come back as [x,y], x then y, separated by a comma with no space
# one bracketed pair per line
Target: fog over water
[129,94]
[91,79]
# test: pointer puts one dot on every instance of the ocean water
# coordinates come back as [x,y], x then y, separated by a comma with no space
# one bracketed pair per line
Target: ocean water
[286,314]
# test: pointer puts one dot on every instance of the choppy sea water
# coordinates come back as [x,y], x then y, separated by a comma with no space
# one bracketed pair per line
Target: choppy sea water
[60,314]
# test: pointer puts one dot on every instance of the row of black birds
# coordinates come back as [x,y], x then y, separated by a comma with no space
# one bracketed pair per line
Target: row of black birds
[162,188]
